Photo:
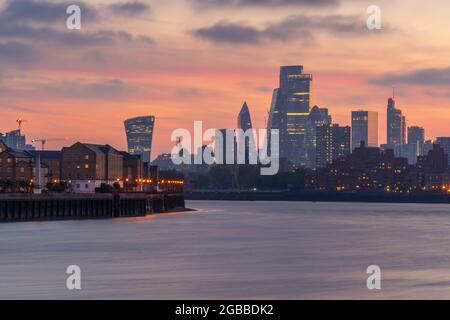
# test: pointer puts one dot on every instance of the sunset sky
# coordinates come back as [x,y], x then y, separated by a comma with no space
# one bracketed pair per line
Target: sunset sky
[186,60]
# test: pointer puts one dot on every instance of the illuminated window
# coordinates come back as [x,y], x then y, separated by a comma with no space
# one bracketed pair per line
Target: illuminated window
[86,166]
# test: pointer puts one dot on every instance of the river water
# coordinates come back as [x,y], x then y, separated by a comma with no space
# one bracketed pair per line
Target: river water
[235,250]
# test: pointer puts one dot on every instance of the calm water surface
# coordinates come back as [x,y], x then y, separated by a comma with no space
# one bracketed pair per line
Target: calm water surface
[234,250]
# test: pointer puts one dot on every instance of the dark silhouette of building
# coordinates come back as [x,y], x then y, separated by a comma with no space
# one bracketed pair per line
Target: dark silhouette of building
[366,168]
[396,124]
[416,140]
[164,163]
[318,117]
[416,134]
[444,142]
[436,161]
[432,170]
[332,142]
[132,171]
[364,128]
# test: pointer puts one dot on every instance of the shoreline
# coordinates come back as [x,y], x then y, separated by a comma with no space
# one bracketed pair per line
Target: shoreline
[176,210]
[313,196]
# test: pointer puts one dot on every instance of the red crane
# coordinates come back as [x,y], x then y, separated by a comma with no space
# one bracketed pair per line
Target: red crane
[20,121]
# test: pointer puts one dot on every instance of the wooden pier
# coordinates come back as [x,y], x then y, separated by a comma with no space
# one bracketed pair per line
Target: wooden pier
[33,207]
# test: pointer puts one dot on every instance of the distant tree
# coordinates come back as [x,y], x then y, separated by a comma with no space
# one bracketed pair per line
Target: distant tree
[246,177]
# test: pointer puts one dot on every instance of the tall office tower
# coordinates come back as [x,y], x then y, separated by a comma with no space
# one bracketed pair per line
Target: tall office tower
[317,118]
[427,146]
[244,122]
[404,130]
[333,142]
[444,142]
[364,128]
[416,140]
[14,139]
[139,132]
[416,134]
[289,113]
[396,125]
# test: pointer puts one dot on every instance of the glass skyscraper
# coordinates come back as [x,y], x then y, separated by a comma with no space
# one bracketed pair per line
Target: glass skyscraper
[244,122]
[444,142]
[139,132]
[15,140]
[318,117]
[396,125]
[416,134]
[332,142]
[289,113]
[364,128]
[416,141]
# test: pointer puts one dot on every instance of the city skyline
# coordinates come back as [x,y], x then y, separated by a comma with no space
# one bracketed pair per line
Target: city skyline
[194,69]
[136,131]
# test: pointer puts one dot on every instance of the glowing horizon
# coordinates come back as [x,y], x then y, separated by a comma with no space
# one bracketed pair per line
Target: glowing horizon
[184,60]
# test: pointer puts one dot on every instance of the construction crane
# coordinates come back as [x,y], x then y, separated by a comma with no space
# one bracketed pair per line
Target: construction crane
[44,141]
[20,121]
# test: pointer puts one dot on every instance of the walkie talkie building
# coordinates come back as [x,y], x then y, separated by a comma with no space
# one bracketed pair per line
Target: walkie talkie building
[139,132]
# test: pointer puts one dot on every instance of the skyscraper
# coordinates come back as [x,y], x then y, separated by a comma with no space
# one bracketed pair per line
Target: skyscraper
[15,140]
[139,132]
[444,142]
[416,140]
[364,128]
[396,124]
[332,142]
[289,113]
[317,118]
[416,134]
[244,122]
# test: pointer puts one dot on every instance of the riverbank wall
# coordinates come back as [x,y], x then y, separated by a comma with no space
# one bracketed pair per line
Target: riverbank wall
[33,207]
[313,196]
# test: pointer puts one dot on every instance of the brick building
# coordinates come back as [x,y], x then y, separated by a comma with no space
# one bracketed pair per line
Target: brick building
[132,171]
[19,165]
[52,161]
[87,166]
